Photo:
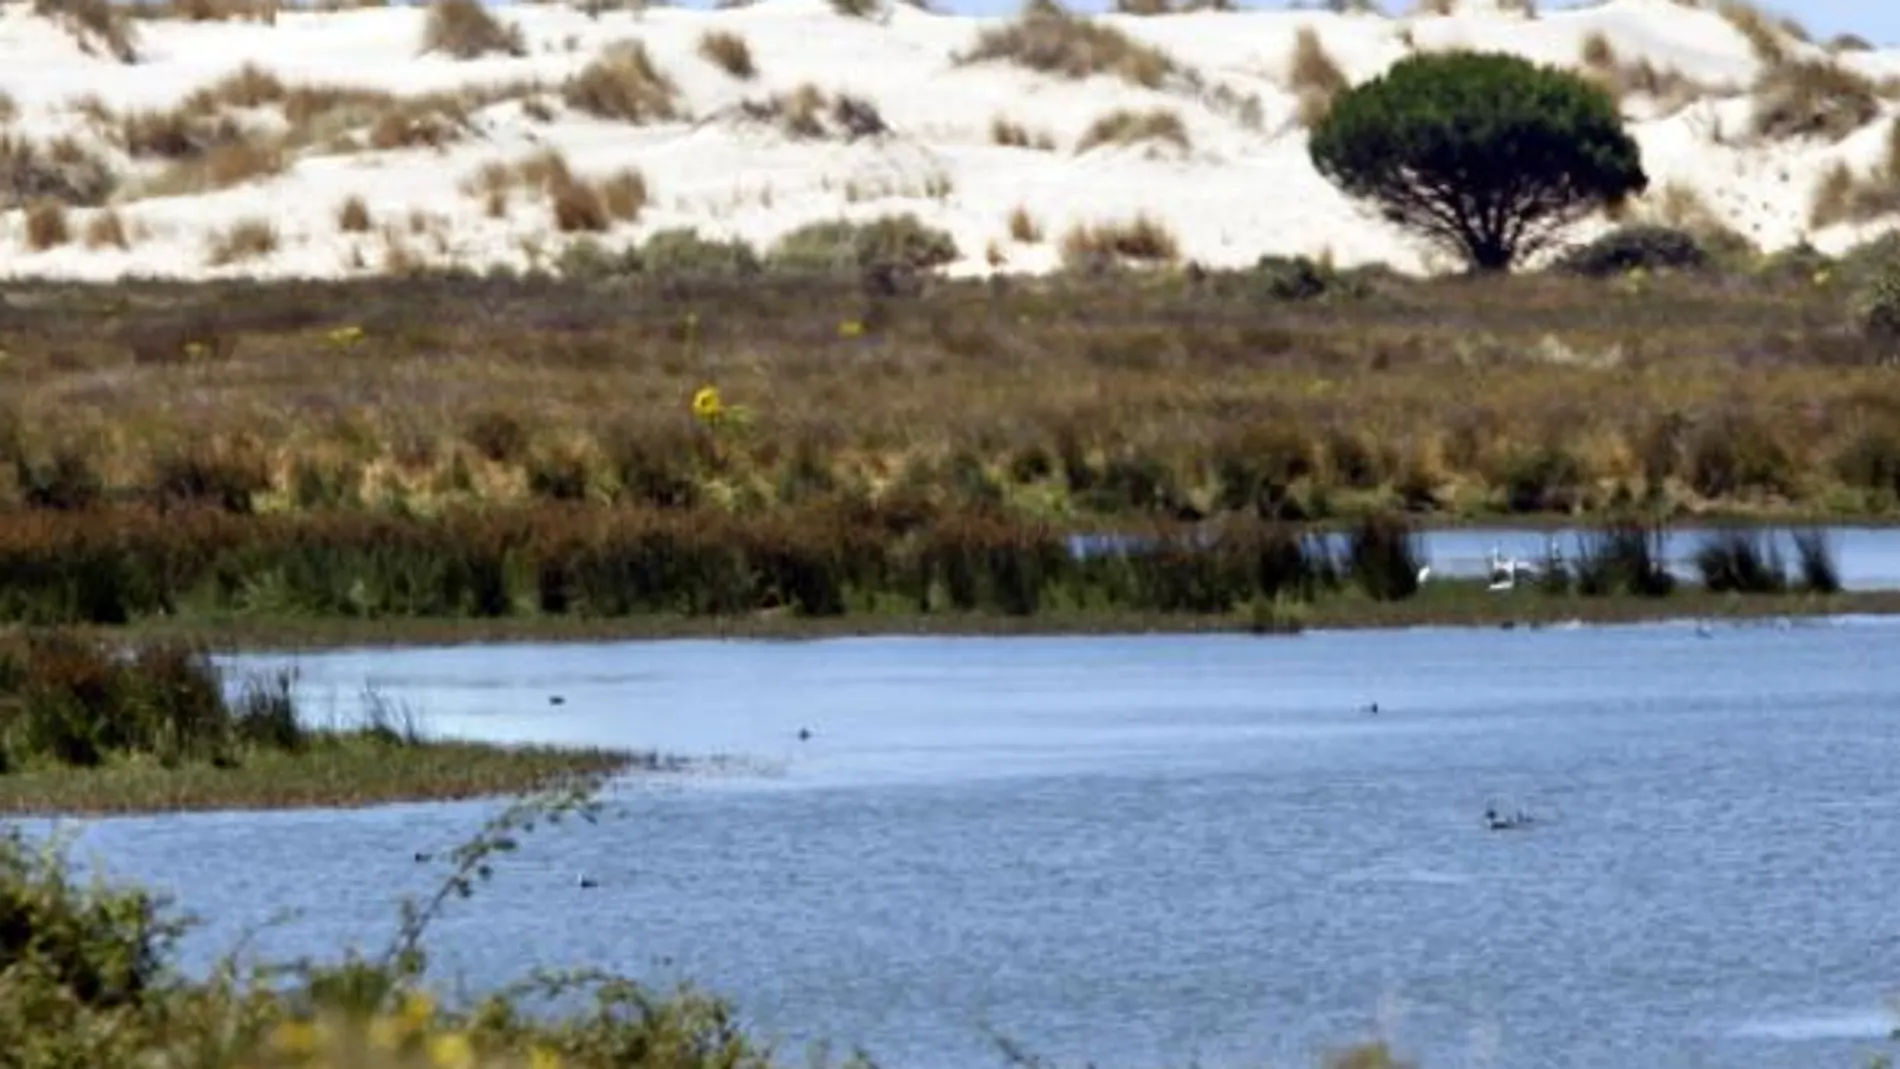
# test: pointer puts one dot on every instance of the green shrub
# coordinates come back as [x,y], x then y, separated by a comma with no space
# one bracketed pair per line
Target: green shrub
[682,253]
[835,246]
[1485,154]
[1879,311]
[1290,278]
[1627,248]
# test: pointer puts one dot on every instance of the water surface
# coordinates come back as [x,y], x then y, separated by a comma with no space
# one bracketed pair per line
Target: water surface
[1158,851]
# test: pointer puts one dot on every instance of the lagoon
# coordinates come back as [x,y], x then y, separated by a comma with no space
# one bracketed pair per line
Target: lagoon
[1162,850]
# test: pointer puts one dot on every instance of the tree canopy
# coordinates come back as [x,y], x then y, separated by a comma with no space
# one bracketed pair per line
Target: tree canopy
[1487,154]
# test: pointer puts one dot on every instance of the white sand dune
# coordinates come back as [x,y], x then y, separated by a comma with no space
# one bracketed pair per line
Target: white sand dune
[1242,190]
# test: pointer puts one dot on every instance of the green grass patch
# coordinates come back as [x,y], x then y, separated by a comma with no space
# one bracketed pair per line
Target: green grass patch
[90,724]
[335,770]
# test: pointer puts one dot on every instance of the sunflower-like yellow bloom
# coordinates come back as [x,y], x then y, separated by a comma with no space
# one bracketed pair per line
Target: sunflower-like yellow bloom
[706,404]
[451,1051]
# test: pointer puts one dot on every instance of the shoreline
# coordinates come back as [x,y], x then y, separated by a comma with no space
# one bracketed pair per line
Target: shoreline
[234,636]
[350,777]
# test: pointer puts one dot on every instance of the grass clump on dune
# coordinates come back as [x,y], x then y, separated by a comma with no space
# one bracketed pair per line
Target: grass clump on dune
[1050,40]
[1812,98]
[95,24]
[729,52]
[1127,127]
[1313,76]
[88,726]
[1142,239]
[61,170]
[622,83]
[464,29]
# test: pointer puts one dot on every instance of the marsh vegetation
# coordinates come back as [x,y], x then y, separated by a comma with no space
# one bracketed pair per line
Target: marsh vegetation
[89,725]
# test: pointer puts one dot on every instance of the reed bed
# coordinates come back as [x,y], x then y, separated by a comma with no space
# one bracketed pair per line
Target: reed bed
[1300,394]
[820,568]
[89,725]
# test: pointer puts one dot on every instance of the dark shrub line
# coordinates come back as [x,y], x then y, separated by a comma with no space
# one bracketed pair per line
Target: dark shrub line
[827,560]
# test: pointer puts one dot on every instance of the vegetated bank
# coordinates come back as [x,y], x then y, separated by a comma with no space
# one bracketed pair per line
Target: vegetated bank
[1651,368]
[90,726]
[584,571]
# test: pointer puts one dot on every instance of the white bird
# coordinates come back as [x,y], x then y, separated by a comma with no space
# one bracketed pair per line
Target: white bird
[1505,571]
[1424,573]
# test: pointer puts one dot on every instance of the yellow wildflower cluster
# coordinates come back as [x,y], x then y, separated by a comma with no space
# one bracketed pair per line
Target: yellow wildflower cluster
[344,337]
[413,1037]
[707,406]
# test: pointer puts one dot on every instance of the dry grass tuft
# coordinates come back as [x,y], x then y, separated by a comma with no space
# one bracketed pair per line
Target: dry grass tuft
[353,216]
[1812,98]
[464,29]
[1668,86]
[1849,42]
[94,24]
[807,114]
[729,52]
[8,109]
[1048,39]
[1127,127]
[1313,76]
[222,167]
[1011,134]
[1763,32]
[46,225]
[62,170]
[1142,239]
[107,230]
[264,11]
[418,123]
[1441,8]
[246,239]
[624,194]
[1023,226]
[623,83]
[578,205]
[578,208]
[1842,196]
[858,9]
[1155,8]
[1597,52]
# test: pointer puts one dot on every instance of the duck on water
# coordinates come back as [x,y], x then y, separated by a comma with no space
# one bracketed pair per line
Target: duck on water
[1497,821]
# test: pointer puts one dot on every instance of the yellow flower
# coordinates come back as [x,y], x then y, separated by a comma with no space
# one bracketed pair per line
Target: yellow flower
[543,1058]
[851,328]
[451,1051]
[342,336]
[418,1008]
[295,1038]
[197,349]
[706,403]
[1821,277]
[388,1033]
